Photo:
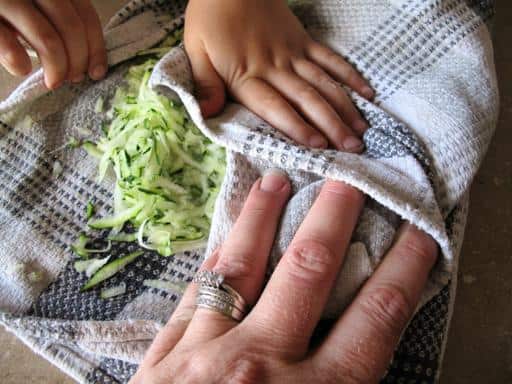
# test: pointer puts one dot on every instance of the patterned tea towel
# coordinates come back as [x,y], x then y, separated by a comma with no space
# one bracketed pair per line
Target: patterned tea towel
[431,64]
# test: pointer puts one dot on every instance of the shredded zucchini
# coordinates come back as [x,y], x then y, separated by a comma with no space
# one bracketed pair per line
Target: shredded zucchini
[57,169]
[109,270]
[168,173]
[90,266]
[89,209]
[98,107]
[117,290]
[166,285]
[80,247]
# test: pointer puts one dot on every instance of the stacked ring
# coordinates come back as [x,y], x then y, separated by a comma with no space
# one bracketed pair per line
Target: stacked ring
[216,295]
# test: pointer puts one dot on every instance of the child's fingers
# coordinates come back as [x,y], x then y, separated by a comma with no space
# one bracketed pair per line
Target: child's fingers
[266,102]
[339,68]
[13,56]
[332,91]
[209,86]
[97,65]
[42,36]
[64,18]
[310,103]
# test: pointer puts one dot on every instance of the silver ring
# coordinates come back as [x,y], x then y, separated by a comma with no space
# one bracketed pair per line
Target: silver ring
[216,295]
[218,305]
[225,296]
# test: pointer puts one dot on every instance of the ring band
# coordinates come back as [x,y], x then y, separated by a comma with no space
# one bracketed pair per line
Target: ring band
[216,295]
[214,304]
[223,296]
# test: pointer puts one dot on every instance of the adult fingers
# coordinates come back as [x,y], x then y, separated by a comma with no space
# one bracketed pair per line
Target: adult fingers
[97,54]
[271,106]
[13,56]
[310,103]
[243,257]
[291,304]
[331,91]
[70,27]
[209,87]
[339,68]
[42,36]
[169,336]
[362,342]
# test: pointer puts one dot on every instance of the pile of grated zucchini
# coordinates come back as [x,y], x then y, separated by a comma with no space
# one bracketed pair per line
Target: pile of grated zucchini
[168,174]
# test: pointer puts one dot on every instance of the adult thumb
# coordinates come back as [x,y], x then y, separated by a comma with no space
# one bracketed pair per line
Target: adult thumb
[209,86]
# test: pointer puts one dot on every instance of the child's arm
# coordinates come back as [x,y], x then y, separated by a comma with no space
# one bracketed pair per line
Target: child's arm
[258,52]
[66,35]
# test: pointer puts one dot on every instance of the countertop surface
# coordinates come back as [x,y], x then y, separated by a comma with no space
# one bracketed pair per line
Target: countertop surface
[479,347]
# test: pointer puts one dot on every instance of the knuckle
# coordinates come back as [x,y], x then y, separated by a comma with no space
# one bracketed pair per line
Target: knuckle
[387,308]
[310,260]
[350,73]
[343,191]
[242,71]
[49,43]
[331,56]
[271,102]
[419,245]
[336,128]
[237,266]
[282,62]
[240,368]
[246,370]
[195,369]
[307,93]
[258,202]
[354,368]
[325,81]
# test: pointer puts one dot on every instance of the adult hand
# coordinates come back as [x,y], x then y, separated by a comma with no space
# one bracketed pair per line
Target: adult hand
[260,53]
[271,345]
[66,35]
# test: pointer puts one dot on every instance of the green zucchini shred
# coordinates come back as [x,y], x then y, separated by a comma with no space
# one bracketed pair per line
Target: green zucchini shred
[79,247]
[108,293]
[110,270]
[89,209]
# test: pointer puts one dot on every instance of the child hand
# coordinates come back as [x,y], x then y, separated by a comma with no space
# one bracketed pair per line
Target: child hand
[66,35]
[259,53]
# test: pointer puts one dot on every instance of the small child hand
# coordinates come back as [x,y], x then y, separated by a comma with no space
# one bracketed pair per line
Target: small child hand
[65,34]
[259,53]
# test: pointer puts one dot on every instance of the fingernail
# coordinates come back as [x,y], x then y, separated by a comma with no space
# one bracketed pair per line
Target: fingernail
[368,92]
[274,180]
[353,144]
[78,78]
[317,141]
[98,72]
